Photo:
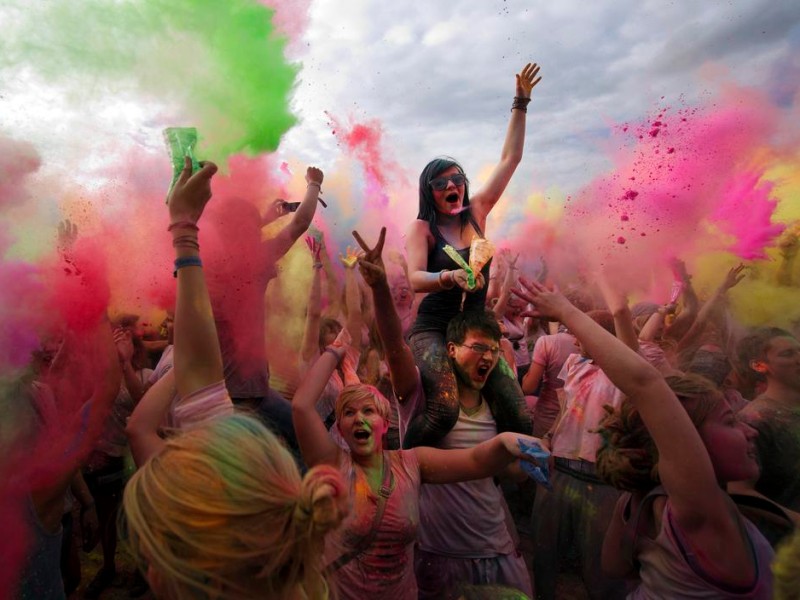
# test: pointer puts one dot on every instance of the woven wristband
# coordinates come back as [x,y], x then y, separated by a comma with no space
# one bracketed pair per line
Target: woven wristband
[186,241]
[520,103]
[183,225]
[186,261]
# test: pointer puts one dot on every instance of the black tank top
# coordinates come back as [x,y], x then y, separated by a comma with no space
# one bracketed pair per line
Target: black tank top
[437,308]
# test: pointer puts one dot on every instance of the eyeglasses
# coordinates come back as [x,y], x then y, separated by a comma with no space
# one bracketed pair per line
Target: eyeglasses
[483,349]
[440,183]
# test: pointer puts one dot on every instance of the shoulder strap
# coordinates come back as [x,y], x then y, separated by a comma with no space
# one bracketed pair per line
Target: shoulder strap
[383,496]
[634,527]
[763,508]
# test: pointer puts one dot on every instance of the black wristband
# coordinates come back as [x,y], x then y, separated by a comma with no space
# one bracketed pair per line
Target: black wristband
[520,103]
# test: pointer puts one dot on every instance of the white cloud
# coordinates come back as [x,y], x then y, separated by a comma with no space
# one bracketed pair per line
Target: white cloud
[440,76]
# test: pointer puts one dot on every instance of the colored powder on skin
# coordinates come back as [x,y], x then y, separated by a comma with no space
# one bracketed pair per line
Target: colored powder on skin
[219,64]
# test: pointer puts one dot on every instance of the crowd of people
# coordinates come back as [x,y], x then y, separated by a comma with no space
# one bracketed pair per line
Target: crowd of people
[653,449]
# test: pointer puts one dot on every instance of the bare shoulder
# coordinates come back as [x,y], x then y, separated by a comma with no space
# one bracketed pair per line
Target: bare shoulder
[419,227]
[419,230]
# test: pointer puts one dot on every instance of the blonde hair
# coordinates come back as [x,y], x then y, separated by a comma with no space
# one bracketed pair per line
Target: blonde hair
[361,392]
[786,569]
[222,512]
[628,457]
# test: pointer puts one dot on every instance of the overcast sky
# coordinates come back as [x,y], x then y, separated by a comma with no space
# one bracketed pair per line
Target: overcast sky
[439,76]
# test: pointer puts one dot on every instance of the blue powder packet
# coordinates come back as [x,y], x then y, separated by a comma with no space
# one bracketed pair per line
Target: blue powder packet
[538,471]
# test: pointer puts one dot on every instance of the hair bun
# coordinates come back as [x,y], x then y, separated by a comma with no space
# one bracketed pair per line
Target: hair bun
[627,458]
[323,499]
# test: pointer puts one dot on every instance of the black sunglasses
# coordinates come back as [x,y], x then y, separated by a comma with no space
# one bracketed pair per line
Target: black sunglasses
[440,183]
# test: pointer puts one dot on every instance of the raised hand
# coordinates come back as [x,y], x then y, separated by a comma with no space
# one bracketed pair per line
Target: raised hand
[315,247]
[188,197]
[527,80]
[123,339]
[546,303]
[789,242]
[67,234]
[541,277]
[349,258]
[370,264]
[734,276]
[679,270]
[314,175]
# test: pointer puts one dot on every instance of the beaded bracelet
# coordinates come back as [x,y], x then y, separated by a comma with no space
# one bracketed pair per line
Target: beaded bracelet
[186,261]
[441,280]
[520,103]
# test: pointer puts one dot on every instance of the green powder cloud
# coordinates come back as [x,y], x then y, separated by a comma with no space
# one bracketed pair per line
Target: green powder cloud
[216,64]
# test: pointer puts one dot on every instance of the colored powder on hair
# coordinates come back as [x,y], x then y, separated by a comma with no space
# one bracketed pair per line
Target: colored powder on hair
[218,64]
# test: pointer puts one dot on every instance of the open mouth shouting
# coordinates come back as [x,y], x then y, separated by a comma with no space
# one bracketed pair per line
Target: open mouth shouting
[362,435]
[482,371]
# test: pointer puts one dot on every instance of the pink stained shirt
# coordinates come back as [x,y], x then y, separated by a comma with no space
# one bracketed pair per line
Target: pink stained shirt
[550,352]
[669,568]
[586,391]
[385,570]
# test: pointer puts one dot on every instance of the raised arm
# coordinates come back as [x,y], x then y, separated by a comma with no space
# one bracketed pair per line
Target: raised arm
[143,424]
[684,466]
[788,245]
[301,220]
[333,289]
[509,279]
[514,144]
[691,305]
[123,339]
[623,319]
[402,368]
[198,360]
[310,345]
[712,305]
[487,459]
[655,323]
[316,444]
[352,297]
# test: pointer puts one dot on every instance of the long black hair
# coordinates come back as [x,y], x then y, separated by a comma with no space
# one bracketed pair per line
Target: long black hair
[427,205]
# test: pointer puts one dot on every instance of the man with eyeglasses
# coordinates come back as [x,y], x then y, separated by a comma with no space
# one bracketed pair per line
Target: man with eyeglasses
[464,535]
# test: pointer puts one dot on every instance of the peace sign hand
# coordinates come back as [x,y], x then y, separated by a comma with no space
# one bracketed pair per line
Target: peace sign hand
[370,264]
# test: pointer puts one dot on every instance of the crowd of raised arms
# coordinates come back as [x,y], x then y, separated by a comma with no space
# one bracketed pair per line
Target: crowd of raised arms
[453,433]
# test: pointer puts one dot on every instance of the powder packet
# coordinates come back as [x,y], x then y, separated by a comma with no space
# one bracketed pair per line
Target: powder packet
[539,471]
[180,142]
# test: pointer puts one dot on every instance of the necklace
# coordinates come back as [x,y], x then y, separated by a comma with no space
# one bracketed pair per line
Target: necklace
[472,410]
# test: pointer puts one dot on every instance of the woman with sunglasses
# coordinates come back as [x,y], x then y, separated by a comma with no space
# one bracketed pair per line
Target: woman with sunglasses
[447,216]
